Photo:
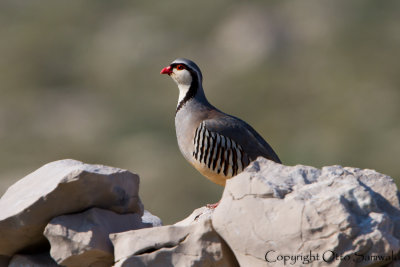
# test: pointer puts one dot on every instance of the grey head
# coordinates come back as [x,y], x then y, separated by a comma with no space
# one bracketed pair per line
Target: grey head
[191,66]
[187,75]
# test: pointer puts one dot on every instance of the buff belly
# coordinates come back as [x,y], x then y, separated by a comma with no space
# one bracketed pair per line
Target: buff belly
[210,174]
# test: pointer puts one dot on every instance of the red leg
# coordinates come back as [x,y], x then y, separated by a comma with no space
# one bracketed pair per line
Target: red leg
[213,206]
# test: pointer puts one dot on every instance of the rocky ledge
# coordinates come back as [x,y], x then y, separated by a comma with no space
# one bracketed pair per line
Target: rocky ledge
[68,213]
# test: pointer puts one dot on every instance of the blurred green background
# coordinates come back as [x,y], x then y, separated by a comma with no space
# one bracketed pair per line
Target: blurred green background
[318,79]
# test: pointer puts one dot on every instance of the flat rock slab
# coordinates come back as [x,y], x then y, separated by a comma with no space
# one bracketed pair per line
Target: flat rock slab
[57,188]
[82,239]
[196,244]
[270,211]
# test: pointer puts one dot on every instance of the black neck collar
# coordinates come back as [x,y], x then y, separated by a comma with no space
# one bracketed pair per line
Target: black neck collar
[194,87]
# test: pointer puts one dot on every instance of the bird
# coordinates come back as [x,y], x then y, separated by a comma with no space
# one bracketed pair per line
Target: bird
[217,144]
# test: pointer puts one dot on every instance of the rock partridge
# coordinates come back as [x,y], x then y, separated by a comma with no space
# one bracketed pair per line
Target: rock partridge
[218,145]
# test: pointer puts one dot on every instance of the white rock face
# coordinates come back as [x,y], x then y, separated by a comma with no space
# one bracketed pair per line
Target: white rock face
[57,188]
[196,244]
[289,211]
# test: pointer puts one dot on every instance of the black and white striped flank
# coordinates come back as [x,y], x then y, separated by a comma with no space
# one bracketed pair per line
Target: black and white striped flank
[219,153]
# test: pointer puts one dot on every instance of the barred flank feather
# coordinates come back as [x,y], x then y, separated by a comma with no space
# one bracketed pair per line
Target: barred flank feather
[219,153]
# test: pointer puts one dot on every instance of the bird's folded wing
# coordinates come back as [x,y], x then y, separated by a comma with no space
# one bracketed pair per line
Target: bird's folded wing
[243,134]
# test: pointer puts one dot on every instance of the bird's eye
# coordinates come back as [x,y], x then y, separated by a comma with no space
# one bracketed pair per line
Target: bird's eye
[180,67]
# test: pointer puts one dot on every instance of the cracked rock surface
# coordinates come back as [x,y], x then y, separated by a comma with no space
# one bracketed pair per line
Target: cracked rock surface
[295,210]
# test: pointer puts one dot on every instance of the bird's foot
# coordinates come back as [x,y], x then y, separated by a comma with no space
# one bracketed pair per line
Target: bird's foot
[212,206]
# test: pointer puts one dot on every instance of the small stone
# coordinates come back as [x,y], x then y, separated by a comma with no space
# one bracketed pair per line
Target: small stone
[151,220]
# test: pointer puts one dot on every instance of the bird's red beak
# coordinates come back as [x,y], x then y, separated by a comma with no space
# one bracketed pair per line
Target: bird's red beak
[166,70]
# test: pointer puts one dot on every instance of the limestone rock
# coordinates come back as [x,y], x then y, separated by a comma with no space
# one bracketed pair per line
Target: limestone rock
[196,244]
[35,260]
[269,215]
[291,211]
[82,239]
[61,187]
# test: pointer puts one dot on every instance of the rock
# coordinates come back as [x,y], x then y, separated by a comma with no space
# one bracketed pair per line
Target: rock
[150,220]
[270,211]
[35,260]
[269,215]
[196,244]
[82,239]
[57,188]
[197,215]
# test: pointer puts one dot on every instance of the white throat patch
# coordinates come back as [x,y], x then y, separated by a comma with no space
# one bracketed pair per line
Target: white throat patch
[183,79]
[183,89]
